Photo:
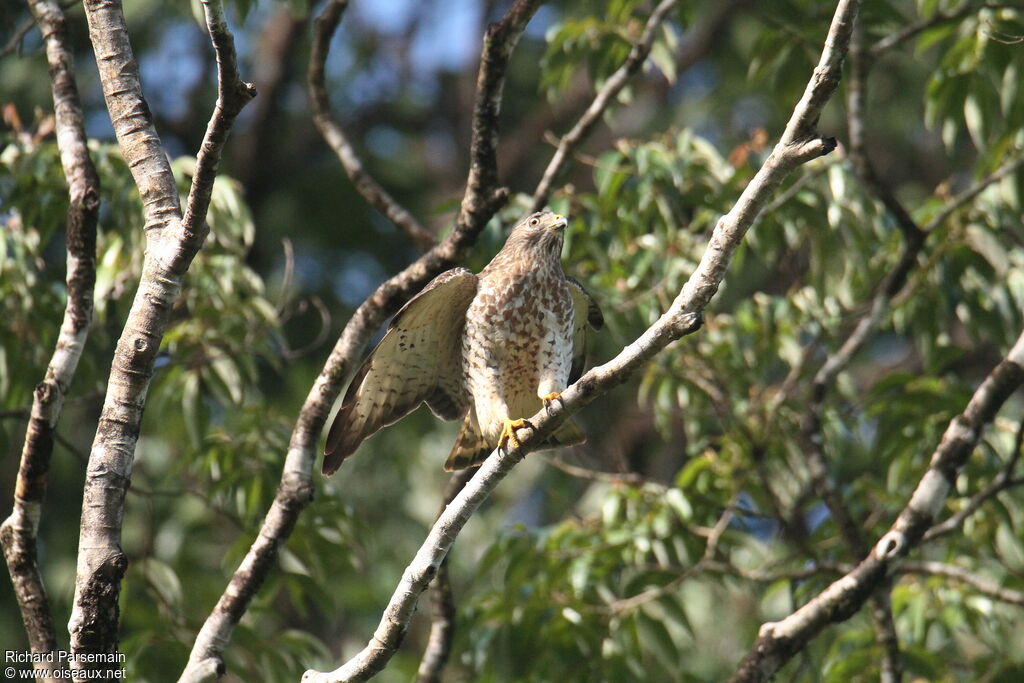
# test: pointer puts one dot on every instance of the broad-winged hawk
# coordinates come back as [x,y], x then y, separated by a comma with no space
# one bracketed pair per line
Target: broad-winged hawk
[489,348]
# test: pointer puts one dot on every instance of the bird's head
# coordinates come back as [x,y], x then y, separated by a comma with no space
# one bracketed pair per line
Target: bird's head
[539,232]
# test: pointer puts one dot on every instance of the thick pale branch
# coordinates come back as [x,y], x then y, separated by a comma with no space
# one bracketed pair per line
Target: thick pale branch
[323,30]
[799,143]
[295,492]
[442,602]
[18,533]
[172,245]
[777,642]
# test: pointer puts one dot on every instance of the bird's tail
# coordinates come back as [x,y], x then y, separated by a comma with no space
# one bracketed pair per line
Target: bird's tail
[472,448]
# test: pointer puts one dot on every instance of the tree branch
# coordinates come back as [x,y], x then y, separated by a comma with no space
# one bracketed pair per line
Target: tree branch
[979,583]
[800,142]
[19,530]
[482,199]
[323,30]
[604,97]
[917,28]
[442,602]
[777,642]
[172,243]
[1000,483]
[232,96]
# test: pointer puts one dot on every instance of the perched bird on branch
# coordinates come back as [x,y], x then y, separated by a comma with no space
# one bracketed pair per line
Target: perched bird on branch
[490,349]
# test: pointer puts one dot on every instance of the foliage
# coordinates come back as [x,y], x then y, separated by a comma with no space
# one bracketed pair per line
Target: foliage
[577,576]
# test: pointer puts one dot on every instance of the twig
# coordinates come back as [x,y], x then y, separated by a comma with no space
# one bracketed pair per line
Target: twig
[19,35]
[604,97]
[800,142]
[710,551]
[323,30]
[631,478]
[979,583]
[954,204]
[924,568]
[295,491]
[232,96]
[777,642]
[912,30]
[442,602]
[172,243]
[19,531]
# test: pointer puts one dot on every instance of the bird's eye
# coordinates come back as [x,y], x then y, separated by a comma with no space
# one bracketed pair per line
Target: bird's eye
[534,222]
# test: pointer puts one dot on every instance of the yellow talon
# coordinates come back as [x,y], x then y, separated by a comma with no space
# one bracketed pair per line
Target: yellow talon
[548,399]
[508,432]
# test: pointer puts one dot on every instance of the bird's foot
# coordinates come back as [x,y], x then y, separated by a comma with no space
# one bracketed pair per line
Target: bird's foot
[508,433]
[548,399]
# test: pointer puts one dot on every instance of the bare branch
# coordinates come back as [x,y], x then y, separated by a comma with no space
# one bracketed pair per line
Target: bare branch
[323,30]
[18,533]
[481,201]
[604,97]
[800,142]
[777,642]
[232,96]
[172,244]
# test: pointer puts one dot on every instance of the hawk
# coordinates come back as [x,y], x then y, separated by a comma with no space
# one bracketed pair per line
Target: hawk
[489,349]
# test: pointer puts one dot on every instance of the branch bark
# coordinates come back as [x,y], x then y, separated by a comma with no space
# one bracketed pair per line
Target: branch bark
[323,30]
[172,243]
[442,602]
[19,530]
[800,142]
[777,642]
[1002,481]
[483,197]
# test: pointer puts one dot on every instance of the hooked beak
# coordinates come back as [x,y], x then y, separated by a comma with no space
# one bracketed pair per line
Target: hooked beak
[561,222]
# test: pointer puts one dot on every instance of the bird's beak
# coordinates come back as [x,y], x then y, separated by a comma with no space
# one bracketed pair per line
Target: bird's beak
[561,222]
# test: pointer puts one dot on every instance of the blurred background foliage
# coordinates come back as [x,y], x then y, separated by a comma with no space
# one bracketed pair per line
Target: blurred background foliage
[592,563]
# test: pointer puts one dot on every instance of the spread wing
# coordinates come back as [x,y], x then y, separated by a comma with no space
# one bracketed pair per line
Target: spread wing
[585,310]
[419,359]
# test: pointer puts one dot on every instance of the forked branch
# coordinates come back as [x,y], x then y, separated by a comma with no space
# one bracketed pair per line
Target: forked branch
[172,243]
